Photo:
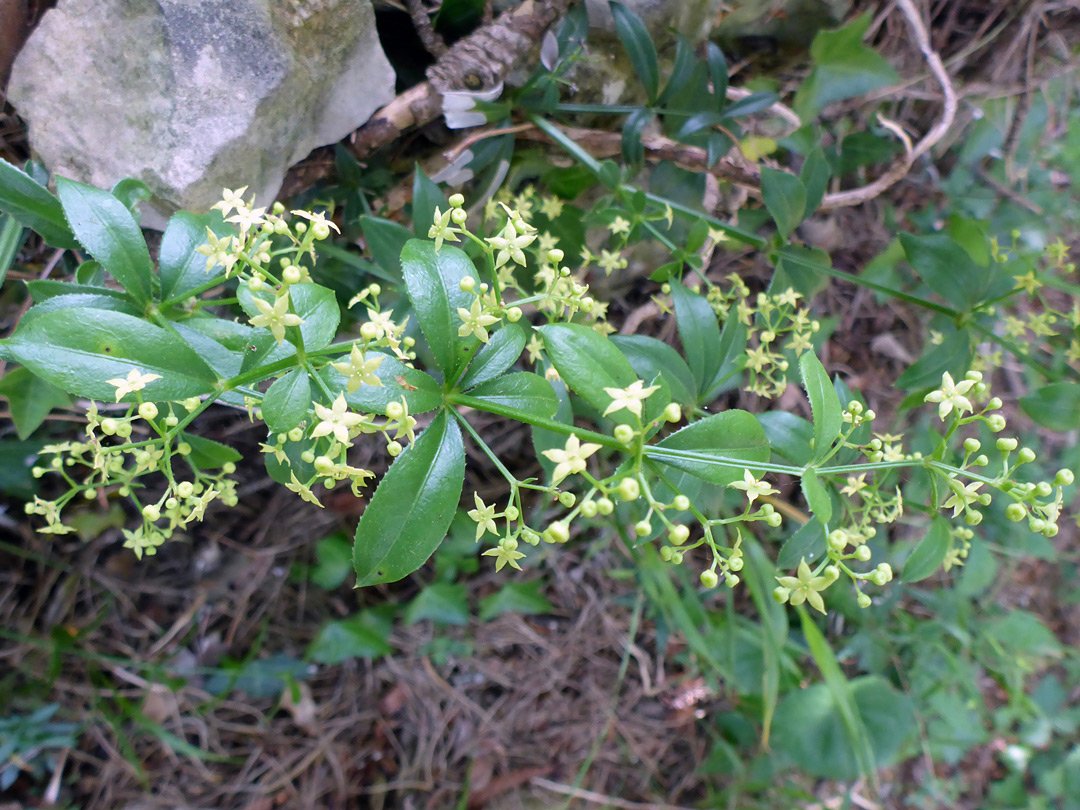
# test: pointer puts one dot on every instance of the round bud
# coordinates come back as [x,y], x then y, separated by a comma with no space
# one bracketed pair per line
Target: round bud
[395,410]
[171,421]
[1015,512]
[458,216]
[530,537]
[980,460]
[1043,489]
[679,535]
[148,410]
[514,314]
[1064,478]
[886,571]
[296,434]
[1025,456]
[709,579]
[185,489]
[108,426]
[557,532]
[643,528]
[973,517]
[869,416]
[736,563]
[171,503]
[567,499]
[589,509]
[91,493]
[864,600]
[37,472]
[832,572]
[624,433]
[228,467]
[994,403]
[780,595]
[681,502]
[320,230]
[676,557]
[329,483]
[511,512]
[1051,530]
[1006,445]
[457,200]
[467,284]
[291,274]
[673,412]
[996,422]
[255,283]
[369,331]
[323,465]
[555,255]
[604,506]
[300,227]
[665,551]
[151,512]
[629,489]
[863,554]
[972,445]
[394,449]
[374,289]
[837,540]
[774,520]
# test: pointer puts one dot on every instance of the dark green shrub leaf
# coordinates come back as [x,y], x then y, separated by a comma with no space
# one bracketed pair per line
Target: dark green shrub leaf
[34,206]
[639,47]
[333,561]
[318,306]
[929,554]
[953,356]
[11,238]
[824,403]
[385,240]
[522,390]
[79,350]
[700,333]
[516,597]
[755,102]
[718,74]
[355,637]
[728,435]
[815,178]
[433,282]
[632,148]
[410,511]
[426,198]
[30,399]
[1055,406]
[181,268]
[587,362]
[81,301]
[946,268]
[650,358]
[206,454]
[440,603]
[109,232]
[44,289]
[817,497]
[789,436]
[495,357]
[681,69]
[785,196]
[808,542]
[287,401]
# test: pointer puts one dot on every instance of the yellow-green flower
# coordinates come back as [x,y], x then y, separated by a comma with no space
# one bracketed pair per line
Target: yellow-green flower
[484,517]
[805,588]
[359,370]
[135,381]
[951,395]
[753,487]
[336,420]
[629,398]
[571,459]
[505,553]
[275,318]
[475,322]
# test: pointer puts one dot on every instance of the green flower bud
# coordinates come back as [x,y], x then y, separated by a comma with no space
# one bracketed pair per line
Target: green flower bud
[467,284]
[643,528]
[308,457]
[780,595]
[185,489]
[296,434]
[458,216]
[567,499]
[228,467]
[994,404]
[665,552]
[1050,530]
[557,532]
[514,314]
[682,503]
[996,422]
[837,540]
[589,509]
[973,517]
[736,563]
[832,572]
[555,255]
[980,460]
[1043,489]
[457,200]
[291,274]
[1064,478]
[151,512]
[679,535]
[731,580]
[108,426]
[511,512]
[1025,456]
[1037,525]
[604,506]
[148,410]
[676,557]
[709,579]
[863,554]
[171,421]
[624,433]
[864,601]
[394,449]
[91,493]
[774,519]
[972,445]
[629,489]
[673,412]
[323,464]
[184,449]
[1006,445]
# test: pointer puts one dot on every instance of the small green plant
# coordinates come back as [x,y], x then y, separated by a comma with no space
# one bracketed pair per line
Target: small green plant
[29,743]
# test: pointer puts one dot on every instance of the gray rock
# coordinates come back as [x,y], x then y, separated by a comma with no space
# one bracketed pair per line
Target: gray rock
[192,96]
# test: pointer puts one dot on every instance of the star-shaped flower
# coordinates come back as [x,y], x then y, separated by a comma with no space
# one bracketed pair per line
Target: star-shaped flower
[505,553]
[806,587]
[475,322]
[336,420]
[276,317]
[753,488]
[302,490]
[951,395]
[510,242]
[629,398]
[571,459]
[962,496]
[135,381]
[484,517]
[359,370]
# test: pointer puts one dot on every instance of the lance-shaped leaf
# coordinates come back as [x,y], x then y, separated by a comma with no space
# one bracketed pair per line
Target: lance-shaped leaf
[523,390]
[34,206]
[587,362]
[703,446]
[411,510]
[824,403]
[495,357]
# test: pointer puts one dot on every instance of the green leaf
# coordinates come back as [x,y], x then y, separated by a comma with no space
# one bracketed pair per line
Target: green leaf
[516,597]
[681,69]
[632,148]
[11,238]
[824,404]
[91,273]
[34,206]
[225,362]
[30,399]
[700,333]
[733,338]
[355,637]
[410,511]
[808,542]
[789,436]
[929,554]
[1055,406]
[817,497]
[440,603]
[810,728]
[718,74]
[287,401]
[522,390]
[385,240]
[587,362]
[333,561]
[946,268]
[426,198]
[953,356]
[206,454]
[815,178]
[433,281]
[80,300]
[639,47]
[111,235]
[650,357]
[78,350]
[318,306]
[420,391]
[732,435]
[785,196]
[44,289]
[181,268]
[495,356]
[843,68]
